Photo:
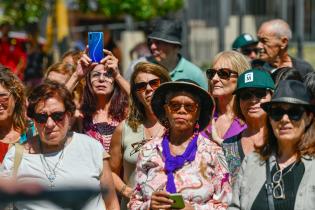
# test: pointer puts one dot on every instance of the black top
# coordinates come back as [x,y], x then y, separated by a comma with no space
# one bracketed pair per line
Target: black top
[291,180]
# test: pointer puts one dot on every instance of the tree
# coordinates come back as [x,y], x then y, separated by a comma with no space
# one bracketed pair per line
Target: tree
[26,11]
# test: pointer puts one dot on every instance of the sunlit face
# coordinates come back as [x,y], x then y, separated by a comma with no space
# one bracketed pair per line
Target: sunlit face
[162,51]
[269,44]
[58,77]
[102,81]
[286,129]
[250,105]
[223,87]
[145,96]
[7,104]
[52,132]
[182,111]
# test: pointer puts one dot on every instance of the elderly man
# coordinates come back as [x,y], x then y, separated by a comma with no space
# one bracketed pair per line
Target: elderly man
[164,44]
[273,40]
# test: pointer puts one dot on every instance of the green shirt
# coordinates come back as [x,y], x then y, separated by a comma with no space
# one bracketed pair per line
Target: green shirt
[187,70]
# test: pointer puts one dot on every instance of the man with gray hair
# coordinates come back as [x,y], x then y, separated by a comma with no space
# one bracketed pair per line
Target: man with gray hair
[273,41]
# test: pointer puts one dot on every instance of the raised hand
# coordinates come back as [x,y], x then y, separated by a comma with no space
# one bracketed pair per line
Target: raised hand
[111,63]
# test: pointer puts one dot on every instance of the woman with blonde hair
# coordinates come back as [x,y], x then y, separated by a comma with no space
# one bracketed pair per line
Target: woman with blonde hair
[140,126]
[222,77]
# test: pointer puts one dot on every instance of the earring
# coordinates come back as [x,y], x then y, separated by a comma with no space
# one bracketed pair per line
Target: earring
[197,127]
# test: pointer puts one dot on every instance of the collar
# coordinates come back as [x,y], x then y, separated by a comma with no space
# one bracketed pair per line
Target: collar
[180,65]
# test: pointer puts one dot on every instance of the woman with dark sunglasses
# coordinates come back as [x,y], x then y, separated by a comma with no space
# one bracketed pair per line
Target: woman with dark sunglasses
[222,77]
[181,169]
[57,158]
[280,175]
[254,87]
[140,127]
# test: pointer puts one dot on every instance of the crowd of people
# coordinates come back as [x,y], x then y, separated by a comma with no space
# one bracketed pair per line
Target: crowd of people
[165,135]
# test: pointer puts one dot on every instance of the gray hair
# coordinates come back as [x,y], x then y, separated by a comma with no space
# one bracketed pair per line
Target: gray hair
[280,28]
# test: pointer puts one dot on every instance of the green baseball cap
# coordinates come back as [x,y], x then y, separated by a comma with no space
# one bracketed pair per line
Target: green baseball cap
[243,40]
[255,78]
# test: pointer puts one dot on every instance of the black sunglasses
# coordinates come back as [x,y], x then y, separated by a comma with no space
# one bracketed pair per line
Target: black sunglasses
[223,73]
[248,51]
[249,94]
[142,86]
[294,113]
[43,117]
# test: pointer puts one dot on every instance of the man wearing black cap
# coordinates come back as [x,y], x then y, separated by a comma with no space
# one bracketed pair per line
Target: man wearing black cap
[165,43]
[247,45]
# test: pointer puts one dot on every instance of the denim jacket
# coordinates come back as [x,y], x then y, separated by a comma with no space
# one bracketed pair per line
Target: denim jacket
[252,177]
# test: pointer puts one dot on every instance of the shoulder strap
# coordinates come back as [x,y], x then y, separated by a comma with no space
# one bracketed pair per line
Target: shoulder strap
[269,186]
[19,148]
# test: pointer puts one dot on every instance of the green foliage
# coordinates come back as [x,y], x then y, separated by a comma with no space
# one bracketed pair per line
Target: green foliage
[139,9]
[23,11]
[26,11]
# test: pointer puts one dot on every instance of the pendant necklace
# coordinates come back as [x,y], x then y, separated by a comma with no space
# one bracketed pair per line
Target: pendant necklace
[50,172]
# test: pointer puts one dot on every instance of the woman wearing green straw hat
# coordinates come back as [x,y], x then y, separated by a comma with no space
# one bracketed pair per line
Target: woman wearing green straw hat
[254,87]
[280,174]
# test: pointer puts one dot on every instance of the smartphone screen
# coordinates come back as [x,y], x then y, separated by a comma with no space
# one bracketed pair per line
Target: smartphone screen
[178,201]
[96,45]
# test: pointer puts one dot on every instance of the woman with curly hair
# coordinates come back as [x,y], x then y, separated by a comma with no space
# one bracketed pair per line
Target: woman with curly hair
[12,109]
[140,126]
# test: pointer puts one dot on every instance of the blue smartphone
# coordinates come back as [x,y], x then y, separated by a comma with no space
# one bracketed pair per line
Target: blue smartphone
[96,45]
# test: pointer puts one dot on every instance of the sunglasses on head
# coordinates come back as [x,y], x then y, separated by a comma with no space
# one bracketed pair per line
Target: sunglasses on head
[248,51]
[176,106]
[249,94]
[294,113]
[43,117]
[142,86]
[223,73]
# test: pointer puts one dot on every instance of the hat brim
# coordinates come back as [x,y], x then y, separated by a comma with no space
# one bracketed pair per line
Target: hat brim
[164,38]
[267,105]
[206,101]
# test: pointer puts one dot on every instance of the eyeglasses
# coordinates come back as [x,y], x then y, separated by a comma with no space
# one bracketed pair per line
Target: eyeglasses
[248,51]
[294,113]
[142,86]
[4,97]
[278,189]
[97,75]
[249,94]
[223,73]
[43,117]
[137,146]
[175,107]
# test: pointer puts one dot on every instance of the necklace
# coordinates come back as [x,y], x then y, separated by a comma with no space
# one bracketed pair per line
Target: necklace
[157,133]
[50,171]
[289,170]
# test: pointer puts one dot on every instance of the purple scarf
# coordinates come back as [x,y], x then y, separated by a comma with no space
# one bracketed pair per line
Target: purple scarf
[173,163]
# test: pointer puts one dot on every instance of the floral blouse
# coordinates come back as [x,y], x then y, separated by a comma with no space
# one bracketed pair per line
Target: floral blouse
[204,182]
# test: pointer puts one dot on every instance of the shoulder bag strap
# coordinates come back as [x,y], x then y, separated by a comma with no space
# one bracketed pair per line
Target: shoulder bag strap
[269,186]
[19,148]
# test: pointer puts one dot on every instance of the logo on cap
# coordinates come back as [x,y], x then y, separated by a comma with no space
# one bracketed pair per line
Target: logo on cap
[248,37]
[249,77]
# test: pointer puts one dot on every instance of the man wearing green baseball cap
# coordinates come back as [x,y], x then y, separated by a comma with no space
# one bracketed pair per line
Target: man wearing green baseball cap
[246,44]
